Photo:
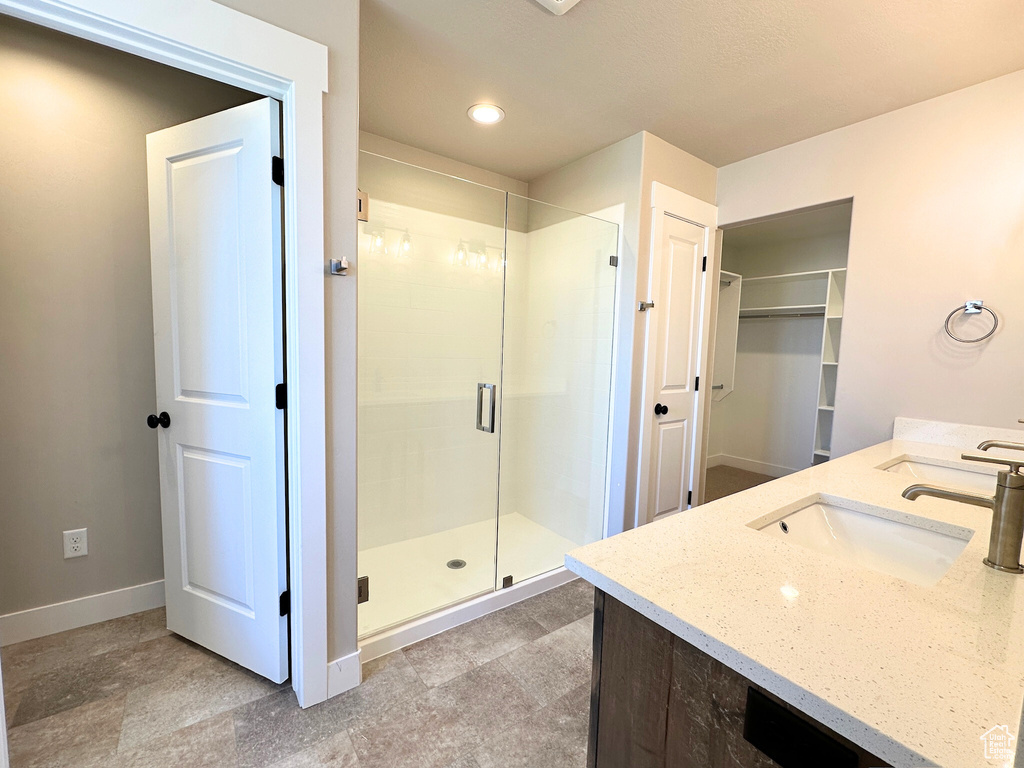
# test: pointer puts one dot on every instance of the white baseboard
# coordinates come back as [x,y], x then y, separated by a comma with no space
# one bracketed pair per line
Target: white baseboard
[390,640]
[60,617]
[751,465]
[344,674]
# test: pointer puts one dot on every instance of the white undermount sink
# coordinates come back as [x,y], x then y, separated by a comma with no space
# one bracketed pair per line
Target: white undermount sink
[965,477]
[911,548]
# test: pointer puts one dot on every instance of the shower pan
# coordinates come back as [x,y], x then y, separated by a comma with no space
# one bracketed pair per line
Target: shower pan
[484,367]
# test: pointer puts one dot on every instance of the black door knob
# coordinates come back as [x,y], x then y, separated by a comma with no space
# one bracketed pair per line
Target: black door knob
[163,420]
[660,410]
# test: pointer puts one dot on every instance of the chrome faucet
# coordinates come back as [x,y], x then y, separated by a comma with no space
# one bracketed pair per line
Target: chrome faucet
[1000,444]
[1004,543]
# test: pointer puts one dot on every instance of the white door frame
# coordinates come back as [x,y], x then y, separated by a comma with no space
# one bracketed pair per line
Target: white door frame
[209,39]
[3,730]
[668,201]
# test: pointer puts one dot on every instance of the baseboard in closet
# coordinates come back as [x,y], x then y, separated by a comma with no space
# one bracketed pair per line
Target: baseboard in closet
[60,617]
[762,468]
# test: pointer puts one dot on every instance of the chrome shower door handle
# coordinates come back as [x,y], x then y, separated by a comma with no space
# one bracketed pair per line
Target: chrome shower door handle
[483,426]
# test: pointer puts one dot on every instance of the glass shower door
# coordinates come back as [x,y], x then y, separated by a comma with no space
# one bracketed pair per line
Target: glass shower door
[556,386]
[430,292]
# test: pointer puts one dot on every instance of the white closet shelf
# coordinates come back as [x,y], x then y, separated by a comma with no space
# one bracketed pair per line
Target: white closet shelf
[826,454]
[793,309]
[793,275]
[826,407]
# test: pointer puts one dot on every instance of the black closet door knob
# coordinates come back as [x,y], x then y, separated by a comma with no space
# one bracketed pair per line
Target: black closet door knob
[660,410]
[163,420]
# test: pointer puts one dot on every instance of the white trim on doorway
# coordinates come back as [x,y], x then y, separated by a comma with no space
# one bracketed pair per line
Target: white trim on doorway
[72,614]
[209,39]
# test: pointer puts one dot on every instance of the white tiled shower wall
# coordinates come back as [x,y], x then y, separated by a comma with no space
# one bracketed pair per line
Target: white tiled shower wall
[558,351]
[431,328]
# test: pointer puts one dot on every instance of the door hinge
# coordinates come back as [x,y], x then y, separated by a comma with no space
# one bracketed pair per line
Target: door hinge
[362,590]
[689,498]
[281,396]
[613,260]
[277,170]
[286,603]
[506,582]
[362,206]
[704,265]
[696,385]
[643,306]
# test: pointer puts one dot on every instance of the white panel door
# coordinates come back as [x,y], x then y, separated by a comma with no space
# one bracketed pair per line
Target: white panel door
[215,230]
[674,342]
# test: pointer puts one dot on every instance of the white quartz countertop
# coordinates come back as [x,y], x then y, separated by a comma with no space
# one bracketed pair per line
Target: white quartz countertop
[914,674]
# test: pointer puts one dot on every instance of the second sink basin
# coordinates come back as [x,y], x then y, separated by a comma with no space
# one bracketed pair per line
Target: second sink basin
[911,548]
[962,476]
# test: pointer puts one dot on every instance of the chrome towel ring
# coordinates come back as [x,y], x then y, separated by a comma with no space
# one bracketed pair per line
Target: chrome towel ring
[971,308]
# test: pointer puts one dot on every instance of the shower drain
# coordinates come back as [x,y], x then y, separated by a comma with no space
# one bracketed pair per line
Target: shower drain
[456,564]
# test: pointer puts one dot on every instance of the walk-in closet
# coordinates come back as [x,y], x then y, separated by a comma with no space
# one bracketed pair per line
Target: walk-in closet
[777,347]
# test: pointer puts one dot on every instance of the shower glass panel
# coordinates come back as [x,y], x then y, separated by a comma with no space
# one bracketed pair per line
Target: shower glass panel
[430,285]
[556,386]
[484,364]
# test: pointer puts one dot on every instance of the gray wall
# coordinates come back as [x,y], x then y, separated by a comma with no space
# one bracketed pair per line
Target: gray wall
[76,329]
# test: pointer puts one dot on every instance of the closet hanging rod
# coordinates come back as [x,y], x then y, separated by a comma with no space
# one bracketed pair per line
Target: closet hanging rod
[771,315]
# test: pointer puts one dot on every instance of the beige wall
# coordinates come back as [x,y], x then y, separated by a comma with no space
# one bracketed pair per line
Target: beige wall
[938,218]
[76,323]
[622,175]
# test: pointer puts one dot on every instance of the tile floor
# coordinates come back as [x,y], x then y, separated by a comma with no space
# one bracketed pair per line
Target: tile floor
[509,690]
[722,481]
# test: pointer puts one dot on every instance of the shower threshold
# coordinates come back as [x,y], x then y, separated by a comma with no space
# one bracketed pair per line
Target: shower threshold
[412,584]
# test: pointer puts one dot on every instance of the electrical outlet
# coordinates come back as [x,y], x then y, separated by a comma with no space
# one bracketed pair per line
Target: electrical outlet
[76,543]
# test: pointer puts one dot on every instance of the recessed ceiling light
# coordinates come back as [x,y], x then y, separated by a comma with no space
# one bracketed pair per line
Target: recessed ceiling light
[558,7]
[488,114]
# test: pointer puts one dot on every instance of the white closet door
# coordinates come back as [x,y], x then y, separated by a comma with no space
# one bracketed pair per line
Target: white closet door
[216,259]
[674,342]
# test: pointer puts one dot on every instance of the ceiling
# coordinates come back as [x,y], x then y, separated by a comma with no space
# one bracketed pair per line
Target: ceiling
[722,79]
[823,221]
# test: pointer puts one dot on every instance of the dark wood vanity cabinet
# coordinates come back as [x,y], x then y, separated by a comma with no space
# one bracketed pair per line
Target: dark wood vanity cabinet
[659,702]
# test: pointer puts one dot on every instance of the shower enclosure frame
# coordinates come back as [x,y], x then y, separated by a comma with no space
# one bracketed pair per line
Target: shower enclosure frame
[378,642]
